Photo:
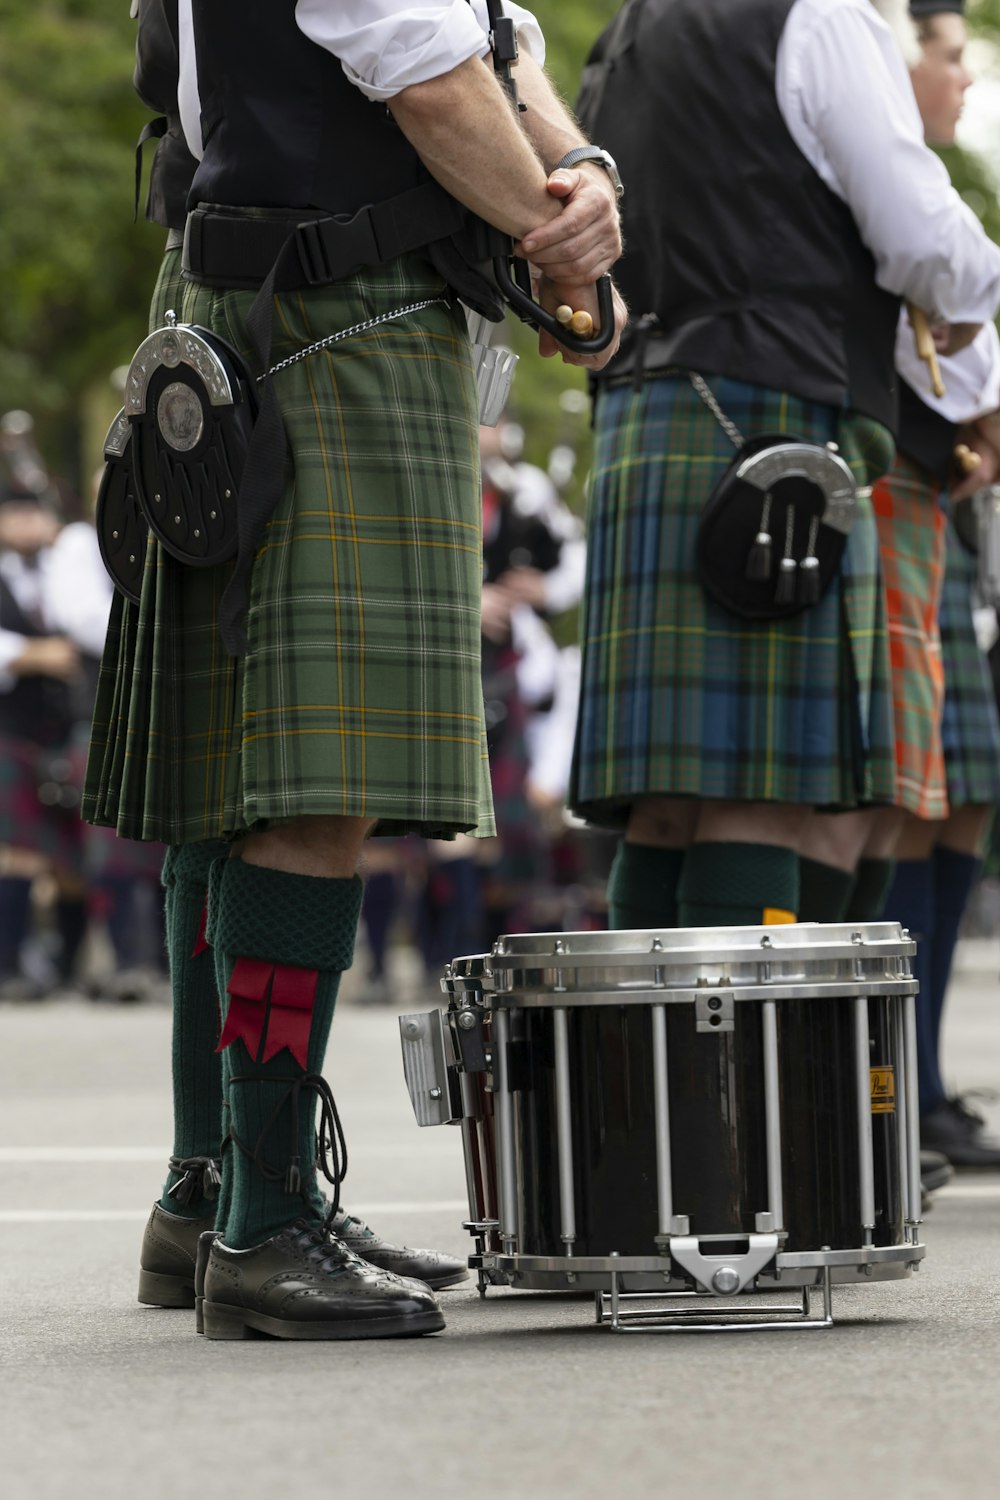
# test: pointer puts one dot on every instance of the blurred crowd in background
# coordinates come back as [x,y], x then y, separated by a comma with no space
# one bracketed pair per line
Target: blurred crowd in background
[80,909]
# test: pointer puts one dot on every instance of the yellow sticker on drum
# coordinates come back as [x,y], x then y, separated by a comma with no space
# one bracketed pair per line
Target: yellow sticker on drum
[775,917]
[883,1091]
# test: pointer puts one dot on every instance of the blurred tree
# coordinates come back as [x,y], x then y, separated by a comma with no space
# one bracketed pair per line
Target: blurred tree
[76,273]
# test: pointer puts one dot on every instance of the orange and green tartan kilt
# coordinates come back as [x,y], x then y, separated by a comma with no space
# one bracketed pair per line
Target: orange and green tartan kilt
[911,529]
[361,693]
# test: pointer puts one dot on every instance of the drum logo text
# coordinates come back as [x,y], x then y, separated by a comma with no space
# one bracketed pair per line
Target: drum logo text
[883,1091]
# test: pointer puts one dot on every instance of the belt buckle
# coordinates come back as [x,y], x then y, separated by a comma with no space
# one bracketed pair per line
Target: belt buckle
[312,253]
[356,244]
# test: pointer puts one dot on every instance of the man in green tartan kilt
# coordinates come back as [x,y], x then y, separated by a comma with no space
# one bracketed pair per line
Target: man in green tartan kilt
[345,697]
[766,254]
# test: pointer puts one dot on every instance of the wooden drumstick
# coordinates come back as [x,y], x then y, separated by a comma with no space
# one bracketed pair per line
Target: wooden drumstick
[924,341]
[967,461]
[580,323]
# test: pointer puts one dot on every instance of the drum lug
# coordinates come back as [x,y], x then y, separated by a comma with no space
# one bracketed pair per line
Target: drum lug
[727,1274]
[715,1013]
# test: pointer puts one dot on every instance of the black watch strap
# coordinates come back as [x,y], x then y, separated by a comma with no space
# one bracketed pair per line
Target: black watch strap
[593,153]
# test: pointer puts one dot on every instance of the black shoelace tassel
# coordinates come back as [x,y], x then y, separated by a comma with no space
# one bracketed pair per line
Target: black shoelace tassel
[199,1177]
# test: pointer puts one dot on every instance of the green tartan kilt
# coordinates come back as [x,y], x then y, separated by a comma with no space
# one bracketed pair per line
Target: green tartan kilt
[361,692]
[680,697]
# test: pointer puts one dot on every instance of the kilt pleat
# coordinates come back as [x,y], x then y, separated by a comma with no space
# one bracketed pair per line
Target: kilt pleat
[911,529]
[679,697]
[361,692]
[970,728]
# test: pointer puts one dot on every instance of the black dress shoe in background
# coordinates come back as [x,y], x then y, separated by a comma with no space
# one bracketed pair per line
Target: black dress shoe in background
[433,1267]
[960,1134]
[167,1258]
[935,1171]
[305,1284]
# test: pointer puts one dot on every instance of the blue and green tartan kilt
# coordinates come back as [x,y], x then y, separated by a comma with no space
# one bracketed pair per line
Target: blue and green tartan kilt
[361,692]
[970,726]
[681,698]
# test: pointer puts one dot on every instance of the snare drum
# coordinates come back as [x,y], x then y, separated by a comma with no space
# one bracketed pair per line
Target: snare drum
[704,1111]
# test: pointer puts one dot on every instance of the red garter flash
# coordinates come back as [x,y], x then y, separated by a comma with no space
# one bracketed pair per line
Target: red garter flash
[291,992]
[201,942]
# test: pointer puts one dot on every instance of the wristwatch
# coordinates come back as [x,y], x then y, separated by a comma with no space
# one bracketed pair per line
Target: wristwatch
[598,154]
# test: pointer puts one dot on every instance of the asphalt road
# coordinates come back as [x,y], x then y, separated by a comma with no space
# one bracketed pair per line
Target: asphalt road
[522,1396]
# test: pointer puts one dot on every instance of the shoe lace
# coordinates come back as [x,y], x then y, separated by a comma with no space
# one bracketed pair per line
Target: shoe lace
[331,1146]
[199,1177]
[321,1248]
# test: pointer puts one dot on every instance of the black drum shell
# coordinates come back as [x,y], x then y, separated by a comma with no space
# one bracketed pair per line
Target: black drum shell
[717,1126]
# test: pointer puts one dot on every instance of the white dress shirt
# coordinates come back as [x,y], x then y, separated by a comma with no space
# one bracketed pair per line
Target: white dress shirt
[384,46]
[67,590]
[846,97]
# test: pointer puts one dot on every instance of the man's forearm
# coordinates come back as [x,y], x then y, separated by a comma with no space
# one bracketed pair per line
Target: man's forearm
[550,127]
[465,132]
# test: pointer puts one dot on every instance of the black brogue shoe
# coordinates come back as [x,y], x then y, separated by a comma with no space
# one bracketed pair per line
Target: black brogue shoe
[304,1283]
[204,1250]
[432,1267]
[167,1258]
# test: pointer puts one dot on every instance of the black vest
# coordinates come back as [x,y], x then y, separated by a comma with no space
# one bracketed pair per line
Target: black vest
[754,268]
[282,126]
[38,709]
[924,435]
[155,79]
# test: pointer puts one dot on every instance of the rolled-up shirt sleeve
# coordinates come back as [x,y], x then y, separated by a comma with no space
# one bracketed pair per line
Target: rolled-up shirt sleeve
[385,46]
[971,378]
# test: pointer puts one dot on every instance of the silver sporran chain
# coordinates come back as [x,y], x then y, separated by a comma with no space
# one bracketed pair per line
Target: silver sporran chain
[349,333]
[704,391]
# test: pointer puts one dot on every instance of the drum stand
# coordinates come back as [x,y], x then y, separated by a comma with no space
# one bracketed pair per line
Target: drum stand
[670,1317]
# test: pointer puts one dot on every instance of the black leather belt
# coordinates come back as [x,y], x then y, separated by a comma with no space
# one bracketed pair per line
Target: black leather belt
[227,247]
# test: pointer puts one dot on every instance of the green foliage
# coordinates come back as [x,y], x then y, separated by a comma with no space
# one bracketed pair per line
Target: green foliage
[76,273]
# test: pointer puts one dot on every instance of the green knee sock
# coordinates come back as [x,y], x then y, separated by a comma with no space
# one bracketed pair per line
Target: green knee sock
[642,886]
[824,891]
[196,1067]
[281,943]
[871,886]
[737,885]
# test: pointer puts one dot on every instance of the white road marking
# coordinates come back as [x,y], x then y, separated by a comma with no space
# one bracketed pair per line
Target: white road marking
[139,1215]
[15,1156]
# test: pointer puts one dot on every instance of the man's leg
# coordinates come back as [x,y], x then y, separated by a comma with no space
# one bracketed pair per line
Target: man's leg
[283,916]
[742,868]
[187,1205]
[955,862]
[846,864]
[642,885]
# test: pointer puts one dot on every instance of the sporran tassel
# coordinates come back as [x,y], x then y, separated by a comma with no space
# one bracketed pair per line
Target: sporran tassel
[759,557]
[809,589]
[784,593]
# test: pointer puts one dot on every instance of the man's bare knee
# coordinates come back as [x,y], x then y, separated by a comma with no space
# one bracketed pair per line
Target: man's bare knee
[328,847]
[663,822]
